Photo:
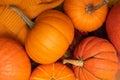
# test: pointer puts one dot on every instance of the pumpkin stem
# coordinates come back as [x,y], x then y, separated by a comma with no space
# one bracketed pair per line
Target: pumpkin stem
[90,8]
[52,79]
[29,22]
[79,63]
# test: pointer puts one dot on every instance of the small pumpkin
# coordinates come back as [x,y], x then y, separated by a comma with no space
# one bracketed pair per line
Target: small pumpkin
[87,15]
[50,36]
[11,24]
[14,62]
[53,71]
[94,59]
[32,8]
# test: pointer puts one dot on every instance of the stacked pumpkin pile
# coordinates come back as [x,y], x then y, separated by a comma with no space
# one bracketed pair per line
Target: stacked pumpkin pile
[59,40]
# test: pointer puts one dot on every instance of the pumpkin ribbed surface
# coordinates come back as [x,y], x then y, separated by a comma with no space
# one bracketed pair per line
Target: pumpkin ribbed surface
[50,37]
[32,8]
[13,24]
[54,71]
[14,62]
[84,20]
[100,61]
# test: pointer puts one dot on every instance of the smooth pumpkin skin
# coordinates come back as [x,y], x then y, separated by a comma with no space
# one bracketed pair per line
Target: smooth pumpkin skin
[11,24]
[14,62]
[113,26]
[83,21]
[100,59]
[32,8]
[57,70]
[50,38]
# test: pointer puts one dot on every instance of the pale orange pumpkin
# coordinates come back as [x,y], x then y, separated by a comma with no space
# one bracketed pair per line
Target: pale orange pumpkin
[14,62]
[12,25]
[95,59]
[32,8]
[51,35]
[53,71]
[87,15]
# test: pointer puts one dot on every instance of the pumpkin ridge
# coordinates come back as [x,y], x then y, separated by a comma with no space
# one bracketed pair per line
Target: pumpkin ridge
[95,44]
[65,76]
[5,42]
[66,21]
[84,46]
[94,56]
[106,60]
[60,71]
[44,71]
[57,31]
[82,73]
[37,50]
[93,74]
[31,50]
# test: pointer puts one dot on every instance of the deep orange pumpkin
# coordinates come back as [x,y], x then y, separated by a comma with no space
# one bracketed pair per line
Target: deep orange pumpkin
[32,8]
[113,26]
[14,62]
[53,71]
[12,25]
[95,59]
[84,15]
[50,37]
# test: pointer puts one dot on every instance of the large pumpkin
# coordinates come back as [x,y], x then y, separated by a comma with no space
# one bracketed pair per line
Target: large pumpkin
[95,59]
[14,62]
[50,37]
[113,26]
[11,24]
[53,71]
[87,15]
[32,8]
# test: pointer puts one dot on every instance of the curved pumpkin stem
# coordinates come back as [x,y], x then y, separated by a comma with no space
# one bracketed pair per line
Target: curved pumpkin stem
[79,63]
[90,8]
[29,22]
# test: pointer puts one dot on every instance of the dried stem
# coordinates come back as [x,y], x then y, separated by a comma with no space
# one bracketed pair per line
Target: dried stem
[23,16]
[74,62]
[90,8]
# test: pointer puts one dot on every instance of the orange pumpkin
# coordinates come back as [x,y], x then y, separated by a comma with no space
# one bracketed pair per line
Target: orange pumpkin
[95,59]
[11,24]
[50,37]
[87,15]
[32,8]
[14,62]
[113,26]
[53,71]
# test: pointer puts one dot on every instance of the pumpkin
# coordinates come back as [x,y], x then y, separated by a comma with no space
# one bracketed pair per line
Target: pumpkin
[113,26]
[53,71]
[86,15]
[94,59]
[50,36]
[11,24]
[14,62]
[32,8]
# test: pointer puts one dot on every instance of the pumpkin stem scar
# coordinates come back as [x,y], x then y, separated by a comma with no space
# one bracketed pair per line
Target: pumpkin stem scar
[79,63]
[90,8]
[23,16]
[52,79]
